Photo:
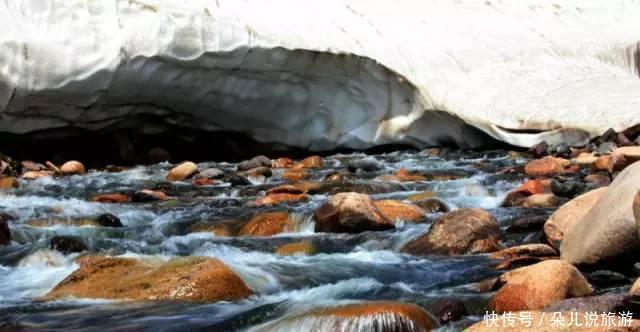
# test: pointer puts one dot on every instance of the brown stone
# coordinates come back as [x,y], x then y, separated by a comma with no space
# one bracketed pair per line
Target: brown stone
[311,162]
[267,224]
[609,229]
[602,164]
[182,171]
[518,196]
[586,158]
[547,166]
[111,198]
[9,183]
[295,174]
[541,201]
[303,248]
[464,231]
[598,179]
[569,214]
[432,205]
[72,167]
[537,286]
[403,175]
[371,316]
[183,279]
[532,250]
[350,213]
[282,163]
[394,210]
[33,175]
[202,181]
[279,198]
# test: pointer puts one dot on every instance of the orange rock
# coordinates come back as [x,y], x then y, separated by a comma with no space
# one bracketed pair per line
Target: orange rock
[303,248]
[403,175]
[182,171]
[394,210]
[598,179]
[371,316]
[111,198]
[635,288]
[547,166]
[222,228]
[534,250]
[282,163]
[526,288]
[267,224]
[9,183]
[350,213]
[421,196]
[278,198]
[464,231]
[312,162]
[541,201]
[33,175]
[203,182]
[295,174]
[184,279]
[72,167]
[156,194]
[53,167]
[531,187]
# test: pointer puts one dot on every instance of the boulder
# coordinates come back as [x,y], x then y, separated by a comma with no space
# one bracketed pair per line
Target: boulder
[451,310]
[279,198]
[397,210]
[109,220]
[72,167]
[183,171]
[258,161]
[303,248]
[538,286]
[569,214]
[267,224]
[464,231]
[67,244]
[609,229]
[9,182]
[146,195]
[371,316]
[532,250]
[350,213]
[530,187]
[547,166]
[184,279]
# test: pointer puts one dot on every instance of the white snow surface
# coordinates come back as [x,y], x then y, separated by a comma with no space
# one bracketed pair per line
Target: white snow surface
[325,74]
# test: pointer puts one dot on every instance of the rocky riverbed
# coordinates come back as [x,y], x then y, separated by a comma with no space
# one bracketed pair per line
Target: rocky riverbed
[402,241]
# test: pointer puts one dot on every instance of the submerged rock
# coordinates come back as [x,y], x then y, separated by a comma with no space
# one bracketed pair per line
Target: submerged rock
[68,244]
[464,231]
[350,213]
[303,248]
[267,224]
[609,229]
[109,220]
[397,210]
[184,279]
[537,286]
[357,317]
[5,232]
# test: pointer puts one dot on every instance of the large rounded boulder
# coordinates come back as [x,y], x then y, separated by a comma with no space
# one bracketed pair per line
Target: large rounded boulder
[464,231]
[609,229]
[350,213]
[185,279]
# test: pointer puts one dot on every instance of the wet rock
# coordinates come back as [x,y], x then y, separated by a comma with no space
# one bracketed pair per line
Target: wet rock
[52,167]
[223,228]
[364,165]
[608,136]
[111,198]
[295,174]
[33,175]
[30,166]
[311,162]
[609,229]
[10,182]
[585,158]
[524,289]
[606,148]
[5,232]
[541,201]
[569,214]
[184,279]
[531,250]
[158,155]
[258,172]
[527,224]
[530,187]
[267,224]
[145,196]
[72,168]
[303,248]
[109,220]
[279,198]
[210,173]
[67,244]
[464,231]
[337,176]
[539,150]
[258,161]
[203,181]
[561,150]
[397,210]
[451,310]
[350,213]
[402,175]
[568,189]
[547,166]
[371,316]
[432,205]
[282,163]
[183,171]
[598,179]
[602,164]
